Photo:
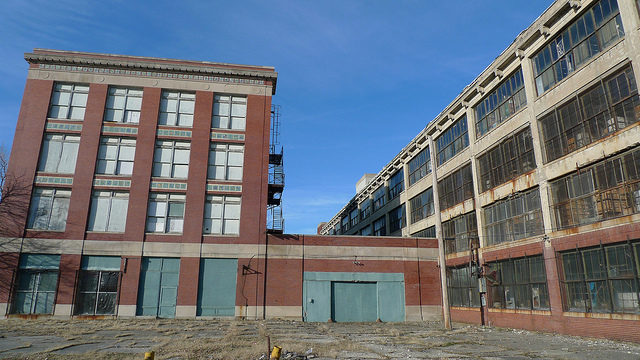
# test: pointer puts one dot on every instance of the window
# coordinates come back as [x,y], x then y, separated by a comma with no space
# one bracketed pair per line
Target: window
[463,287]
[353,217]
[500,104]
[584,38]
[48,209]
[452,141]
[396,184]
[171,159]
[380,227]
[365,209]
[378,198]
[166,213]
[59,153]
[366,231]
[603,279]
[108,211]
[225,161]
[336,229]
[229,112]
[518,284]
[429,232]
[609,106]
[419,166]
[345,224]
[176,108]
[516,217]
[605,190]
[456,187]
[222,215]
[97,285]
[511,158]
[459,232]
[397,219]
[123,105]
[68,101]
[115,156]
[36,284]
[422,206]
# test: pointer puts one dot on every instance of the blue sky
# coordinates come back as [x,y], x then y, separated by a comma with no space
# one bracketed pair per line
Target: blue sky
[357,79]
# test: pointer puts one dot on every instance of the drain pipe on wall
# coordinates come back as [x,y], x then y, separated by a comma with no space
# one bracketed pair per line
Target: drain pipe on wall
[446,315]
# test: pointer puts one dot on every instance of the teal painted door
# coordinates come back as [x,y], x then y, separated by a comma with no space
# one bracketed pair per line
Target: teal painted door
[217,287]
[354,301]
[158,289]
[316,306]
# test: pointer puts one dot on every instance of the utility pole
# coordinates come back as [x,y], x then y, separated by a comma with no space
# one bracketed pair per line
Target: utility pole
[446,315]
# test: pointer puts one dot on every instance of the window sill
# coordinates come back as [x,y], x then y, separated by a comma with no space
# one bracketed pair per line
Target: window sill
[466,308]
[520,311]
[70,120]
[162,233]
[615,316]
[105,232]
[45,230]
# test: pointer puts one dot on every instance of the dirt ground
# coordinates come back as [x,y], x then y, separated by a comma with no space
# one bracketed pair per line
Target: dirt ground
[221,339]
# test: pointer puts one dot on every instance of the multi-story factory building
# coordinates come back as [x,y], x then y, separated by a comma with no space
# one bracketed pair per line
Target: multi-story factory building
[531,176]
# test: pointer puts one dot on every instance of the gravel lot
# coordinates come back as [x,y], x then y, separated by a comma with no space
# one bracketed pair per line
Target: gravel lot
[220,339]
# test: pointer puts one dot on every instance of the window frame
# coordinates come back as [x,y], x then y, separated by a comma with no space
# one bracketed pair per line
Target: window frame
[227,149]
[239,100]
[381,224]
[396,184]
[56,194]
[501,282]
[452,141]
[456,188]
[168,199]
[75,91]
[64,140]
[172,145]
[502,218]
[457,288]
[495,169]
[223,201]
[457,232]
[110,195]
[419,166]
[397,219]
[119,143]
[421,207]
[180,97]
[379,198]
[510,92]
[128,115]
[80,293]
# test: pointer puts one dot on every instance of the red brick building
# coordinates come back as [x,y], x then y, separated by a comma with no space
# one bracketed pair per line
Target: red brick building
[142,188]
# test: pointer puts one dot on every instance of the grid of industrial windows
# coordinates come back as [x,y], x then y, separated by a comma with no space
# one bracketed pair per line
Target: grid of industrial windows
[108,211]
[500,104]
[68,101]
[123,105]
[605,190]
[165,213]
[49,208]
[176,108]
[609,106]
[512,157]
[222,215]
[365,209]
[353,217]
[229,112]
[379,198]
[225,161]
[517,217]
[115,156]
[171,159]
[419,166]
[59,153]
[429,232]
[345,224]
[456,187]
[452,141]
[459,232]
[380,227]
[422,205]
[366,231]
[463,287]
[585,37]
[396,184]
[518,284]
[36,284]
[397,219]
[97,289]
[603,279]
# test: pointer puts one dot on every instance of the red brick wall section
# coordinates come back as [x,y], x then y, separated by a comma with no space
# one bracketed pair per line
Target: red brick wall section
[25,151]
[143,162]
[188,283]
[69,267]
[130,278]
[430,280]
[250,284]
[8,271]
[466,315]
[284,282]
[199,155]
[85,165]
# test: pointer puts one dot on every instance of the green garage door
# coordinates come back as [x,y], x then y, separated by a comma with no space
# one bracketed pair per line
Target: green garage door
[158,290]
[217,287]
[354,301]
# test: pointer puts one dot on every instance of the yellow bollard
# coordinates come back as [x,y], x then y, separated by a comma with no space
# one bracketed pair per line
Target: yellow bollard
[149,355]
[275,354]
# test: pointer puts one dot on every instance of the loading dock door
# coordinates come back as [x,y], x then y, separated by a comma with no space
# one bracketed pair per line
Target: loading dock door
[354,301]
[217,290]
[158,290]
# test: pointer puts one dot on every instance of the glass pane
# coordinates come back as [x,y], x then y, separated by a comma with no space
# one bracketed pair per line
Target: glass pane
[89,281]
[85,304]
[176,209]
[175,225]
[106,304]
[109,281]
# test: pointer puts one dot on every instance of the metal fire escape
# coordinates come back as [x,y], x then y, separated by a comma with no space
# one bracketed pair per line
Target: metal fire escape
[275,221]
